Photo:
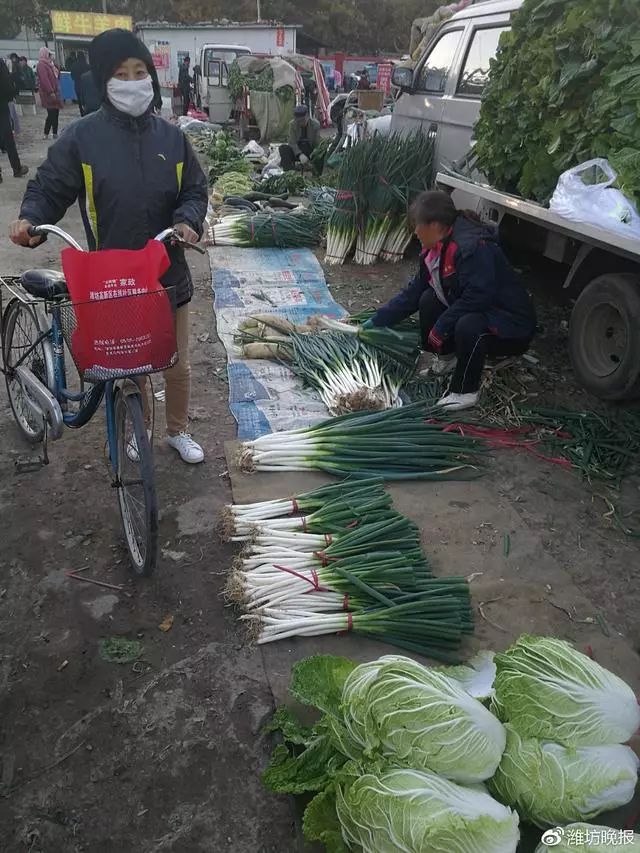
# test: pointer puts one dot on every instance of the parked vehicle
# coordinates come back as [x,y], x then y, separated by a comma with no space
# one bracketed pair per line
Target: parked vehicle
[212,83]
[441,96]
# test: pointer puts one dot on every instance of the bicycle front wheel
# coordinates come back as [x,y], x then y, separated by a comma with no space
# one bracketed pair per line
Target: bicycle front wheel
[136,482]
[21,329]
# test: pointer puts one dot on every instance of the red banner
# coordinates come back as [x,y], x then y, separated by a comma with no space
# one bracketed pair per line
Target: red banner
[384,77]
[280,37]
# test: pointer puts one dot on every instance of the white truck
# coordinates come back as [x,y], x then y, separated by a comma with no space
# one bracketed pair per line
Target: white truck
[212,85]
[441,96]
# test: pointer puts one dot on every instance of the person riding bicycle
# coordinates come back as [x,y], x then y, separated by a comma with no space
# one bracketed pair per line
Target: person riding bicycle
[134,174]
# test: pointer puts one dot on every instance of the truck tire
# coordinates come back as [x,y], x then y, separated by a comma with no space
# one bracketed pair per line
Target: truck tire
[604,337]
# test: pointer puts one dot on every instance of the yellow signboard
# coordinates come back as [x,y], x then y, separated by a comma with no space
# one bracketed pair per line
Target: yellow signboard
[87,23]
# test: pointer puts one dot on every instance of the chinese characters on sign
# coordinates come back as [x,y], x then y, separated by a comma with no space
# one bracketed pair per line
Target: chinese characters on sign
[581,836]
[160,51]
[384,77]
[87,23]
[116,288]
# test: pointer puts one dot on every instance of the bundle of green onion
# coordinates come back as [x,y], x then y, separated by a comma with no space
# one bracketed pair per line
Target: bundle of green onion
[397,444]
[349,375]
[290,230]
[379,178]
[402,344]
[361,569]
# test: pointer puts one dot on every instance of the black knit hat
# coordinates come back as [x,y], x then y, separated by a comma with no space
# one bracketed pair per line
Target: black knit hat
[110,49]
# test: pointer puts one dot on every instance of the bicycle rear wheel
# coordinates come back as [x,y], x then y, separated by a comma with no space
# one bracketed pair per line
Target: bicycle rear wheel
[136,482]
[21,328]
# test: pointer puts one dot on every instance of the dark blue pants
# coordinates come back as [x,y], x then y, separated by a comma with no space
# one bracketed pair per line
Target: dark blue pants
[471,342]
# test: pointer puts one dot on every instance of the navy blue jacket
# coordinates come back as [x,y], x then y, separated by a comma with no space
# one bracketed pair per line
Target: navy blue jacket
[133,177]
[476,277]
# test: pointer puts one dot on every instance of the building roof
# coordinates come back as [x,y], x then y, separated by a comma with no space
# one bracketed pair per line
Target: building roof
[218,25]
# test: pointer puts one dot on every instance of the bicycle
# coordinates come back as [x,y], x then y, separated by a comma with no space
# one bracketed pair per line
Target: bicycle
[35,335]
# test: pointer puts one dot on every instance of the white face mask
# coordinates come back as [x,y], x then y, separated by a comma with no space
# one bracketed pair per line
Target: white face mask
[133,97]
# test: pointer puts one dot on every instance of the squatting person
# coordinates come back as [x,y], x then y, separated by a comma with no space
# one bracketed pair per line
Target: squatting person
[470,300]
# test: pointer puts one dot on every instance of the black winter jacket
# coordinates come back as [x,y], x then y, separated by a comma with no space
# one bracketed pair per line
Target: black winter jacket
[476,277]
[133,177]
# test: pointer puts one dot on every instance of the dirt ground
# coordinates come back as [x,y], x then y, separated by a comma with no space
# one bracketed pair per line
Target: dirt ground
[165,754]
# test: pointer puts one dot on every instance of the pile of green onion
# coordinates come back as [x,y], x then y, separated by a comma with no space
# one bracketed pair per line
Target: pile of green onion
[303,227]
[402,344]
[348,374]
[351,564]
[379,178]
[397,444]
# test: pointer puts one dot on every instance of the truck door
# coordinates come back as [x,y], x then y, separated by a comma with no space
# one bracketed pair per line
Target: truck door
[461,103]
[421,108]
[218,96]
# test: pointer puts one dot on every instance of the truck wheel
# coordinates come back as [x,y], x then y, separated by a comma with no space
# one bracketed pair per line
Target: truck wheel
[604,337]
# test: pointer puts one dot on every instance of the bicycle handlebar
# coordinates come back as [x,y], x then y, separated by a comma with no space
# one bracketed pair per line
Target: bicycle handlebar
[168,234]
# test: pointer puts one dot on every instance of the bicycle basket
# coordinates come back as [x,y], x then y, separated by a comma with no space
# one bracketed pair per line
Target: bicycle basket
[119,321]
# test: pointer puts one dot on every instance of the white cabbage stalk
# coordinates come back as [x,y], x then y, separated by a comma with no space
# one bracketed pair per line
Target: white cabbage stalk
[587,838]
[549,690]
[408,811]
[415,716]
[477,676]
[549,784]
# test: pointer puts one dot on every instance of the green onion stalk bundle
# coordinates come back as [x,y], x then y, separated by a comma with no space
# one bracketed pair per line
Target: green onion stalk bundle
[400,343]
[267,230]
[416,176]
[396,444]
[342,513]
[348,374]
[235,518]
[309,570]
[342,230]
[379,178]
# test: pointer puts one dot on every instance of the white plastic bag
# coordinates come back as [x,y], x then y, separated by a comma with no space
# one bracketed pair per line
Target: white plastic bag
[585,194]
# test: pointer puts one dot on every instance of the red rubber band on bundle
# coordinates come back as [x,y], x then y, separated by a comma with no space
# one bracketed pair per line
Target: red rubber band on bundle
[322,557]
[353,523]
[294,504]
[345,602]
[315,581]
[304,523]
[349,621]
[343,195]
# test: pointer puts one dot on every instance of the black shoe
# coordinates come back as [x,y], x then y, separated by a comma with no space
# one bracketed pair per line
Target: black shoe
[21,172]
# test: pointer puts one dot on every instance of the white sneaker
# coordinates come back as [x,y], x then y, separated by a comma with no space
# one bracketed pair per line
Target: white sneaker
[132,447]
[189,450]
[458,402]
[440,365]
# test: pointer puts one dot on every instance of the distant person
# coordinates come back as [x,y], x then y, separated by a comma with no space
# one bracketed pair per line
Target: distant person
[80,68]
[91,96]
[27,76]
[7,140]
[364,82]
[14,73]
[337,76]
[184,84]
[304,135]
[49,86]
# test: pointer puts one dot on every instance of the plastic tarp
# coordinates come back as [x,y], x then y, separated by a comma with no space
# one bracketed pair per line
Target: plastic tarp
[272,115]
[272,112]
[265,395]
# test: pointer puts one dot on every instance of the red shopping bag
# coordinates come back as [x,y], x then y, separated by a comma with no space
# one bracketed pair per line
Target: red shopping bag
[122,322]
